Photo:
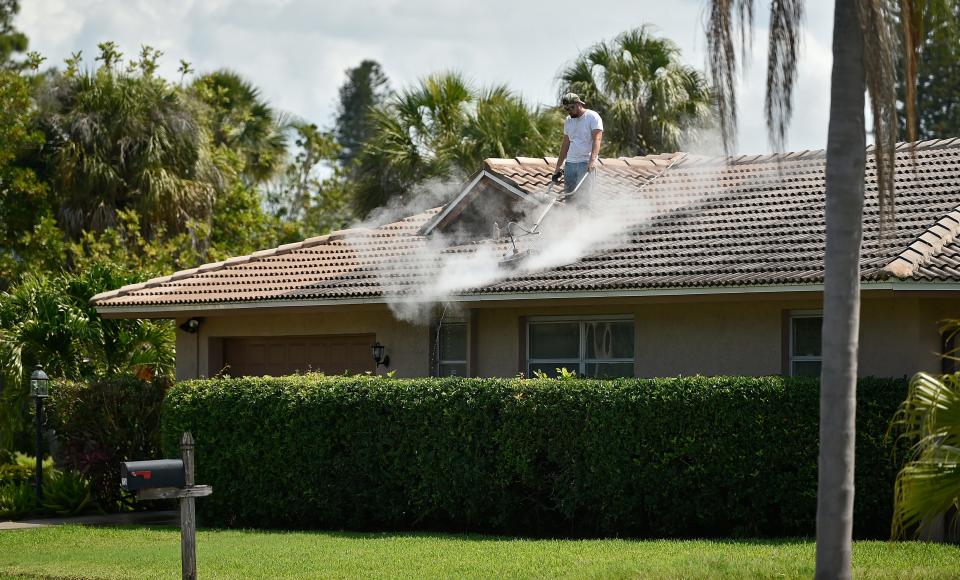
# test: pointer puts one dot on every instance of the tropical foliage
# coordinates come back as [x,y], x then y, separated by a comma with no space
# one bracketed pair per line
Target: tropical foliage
[49,320]
[243,123]
[928,487]
[650,102]
[443,128]
[126,139]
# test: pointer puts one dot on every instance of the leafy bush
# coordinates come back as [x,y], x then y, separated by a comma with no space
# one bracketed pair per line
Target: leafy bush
[692,456]
[66,493]
[17,500]
[21,469]
[49,319]
[103,423]
[16,474]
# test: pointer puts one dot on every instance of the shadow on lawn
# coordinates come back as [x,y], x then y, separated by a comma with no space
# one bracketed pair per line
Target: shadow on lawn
[478,537]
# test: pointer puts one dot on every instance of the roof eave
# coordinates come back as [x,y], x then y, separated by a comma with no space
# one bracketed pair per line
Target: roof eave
[182,310]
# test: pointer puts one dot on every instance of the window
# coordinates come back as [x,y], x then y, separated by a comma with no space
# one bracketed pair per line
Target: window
[805,353]
[591,347]
[451,350]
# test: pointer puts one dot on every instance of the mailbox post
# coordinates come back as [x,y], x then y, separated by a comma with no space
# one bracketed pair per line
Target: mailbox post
[188,514]
[168,479]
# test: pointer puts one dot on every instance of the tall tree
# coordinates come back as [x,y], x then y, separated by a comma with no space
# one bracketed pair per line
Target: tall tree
[366,87]
[313,194]
[938,79]
[502,125]
[443,128]
[242,122]
[650,102]
[11,40]
[24,199]
[864,56]
[126,139]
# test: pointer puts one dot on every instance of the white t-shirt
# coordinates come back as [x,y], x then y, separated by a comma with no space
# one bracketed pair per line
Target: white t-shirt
[580,132]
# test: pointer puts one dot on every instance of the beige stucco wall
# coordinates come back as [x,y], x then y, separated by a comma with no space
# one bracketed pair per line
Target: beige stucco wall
[898,336]
[675,336]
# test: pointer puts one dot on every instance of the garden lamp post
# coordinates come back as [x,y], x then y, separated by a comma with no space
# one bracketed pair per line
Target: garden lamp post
[38,390]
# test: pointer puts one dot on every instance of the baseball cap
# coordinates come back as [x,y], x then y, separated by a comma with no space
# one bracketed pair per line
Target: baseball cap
[569,99]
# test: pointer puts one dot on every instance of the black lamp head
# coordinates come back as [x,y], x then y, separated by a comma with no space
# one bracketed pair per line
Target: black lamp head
[38,383]
[191,326]
[378,355]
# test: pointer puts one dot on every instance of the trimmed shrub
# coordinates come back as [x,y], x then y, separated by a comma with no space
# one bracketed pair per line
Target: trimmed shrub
[103,423]
[692,456]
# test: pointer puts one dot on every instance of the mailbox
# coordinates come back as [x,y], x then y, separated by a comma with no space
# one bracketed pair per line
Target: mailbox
[137,475]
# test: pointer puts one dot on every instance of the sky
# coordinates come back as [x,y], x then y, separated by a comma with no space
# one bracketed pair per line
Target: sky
[296,51]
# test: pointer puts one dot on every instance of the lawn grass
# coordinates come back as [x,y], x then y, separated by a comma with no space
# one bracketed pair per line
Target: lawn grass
[134,552]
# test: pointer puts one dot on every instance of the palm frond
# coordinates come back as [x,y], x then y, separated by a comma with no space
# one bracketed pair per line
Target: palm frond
[786,18]
[929,484]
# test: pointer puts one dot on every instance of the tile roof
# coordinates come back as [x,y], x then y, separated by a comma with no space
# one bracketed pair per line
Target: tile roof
[740,221]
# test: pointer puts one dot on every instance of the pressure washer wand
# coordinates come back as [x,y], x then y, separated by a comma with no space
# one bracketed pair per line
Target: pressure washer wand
[555,200]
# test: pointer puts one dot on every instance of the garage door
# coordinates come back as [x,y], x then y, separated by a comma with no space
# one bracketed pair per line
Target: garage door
[285,355]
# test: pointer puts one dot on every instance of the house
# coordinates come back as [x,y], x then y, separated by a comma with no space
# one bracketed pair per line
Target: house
[676,264]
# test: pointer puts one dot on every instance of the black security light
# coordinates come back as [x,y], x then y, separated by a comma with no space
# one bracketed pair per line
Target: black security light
[191,326]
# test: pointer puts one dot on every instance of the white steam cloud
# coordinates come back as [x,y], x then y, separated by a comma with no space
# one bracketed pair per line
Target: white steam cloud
[433,271]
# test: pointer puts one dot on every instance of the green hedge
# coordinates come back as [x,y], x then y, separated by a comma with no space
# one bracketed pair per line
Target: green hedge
[691,456]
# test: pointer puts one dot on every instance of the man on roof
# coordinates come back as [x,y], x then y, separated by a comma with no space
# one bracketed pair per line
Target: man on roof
[582,134]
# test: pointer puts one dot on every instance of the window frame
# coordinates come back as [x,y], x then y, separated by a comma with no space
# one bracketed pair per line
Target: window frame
[436,347]
[579,364]
[791,358]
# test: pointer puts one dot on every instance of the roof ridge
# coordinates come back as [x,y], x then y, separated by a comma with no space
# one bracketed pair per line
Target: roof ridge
[216,266]
[736,159]
[491,162]
[928,243]
[748,158]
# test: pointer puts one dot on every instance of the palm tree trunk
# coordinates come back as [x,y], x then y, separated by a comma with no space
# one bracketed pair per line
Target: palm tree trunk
[846,158]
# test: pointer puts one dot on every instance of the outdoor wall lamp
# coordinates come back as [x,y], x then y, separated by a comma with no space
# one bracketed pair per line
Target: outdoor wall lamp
[378,356]
[39,391]
[191,326]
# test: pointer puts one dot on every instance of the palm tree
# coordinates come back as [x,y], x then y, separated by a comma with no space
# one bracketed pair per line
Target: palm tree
[649,101]
[241,121]
[126,139]
[929,485]
[443,128]
[860,28]
[502,125]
